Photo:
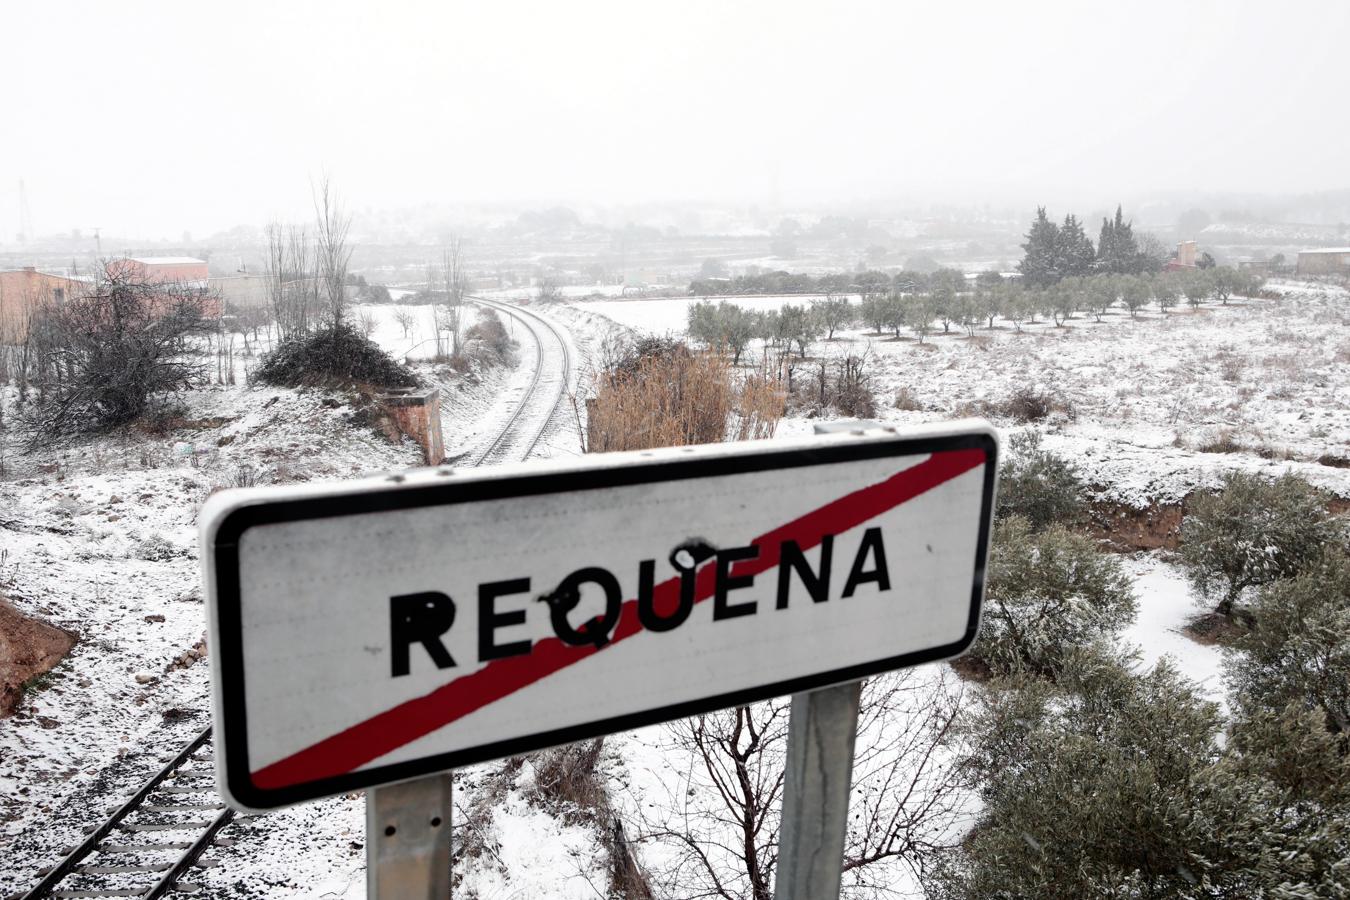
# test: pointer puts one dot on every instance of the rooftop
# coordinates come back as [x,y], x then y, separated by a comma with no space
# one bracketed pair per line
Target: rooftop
[1326,250]
[168,260]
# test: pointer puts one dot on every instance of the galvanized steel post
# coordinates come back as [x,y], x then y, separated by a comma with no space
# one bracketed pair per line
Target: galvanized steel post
[408,840]
[821,734]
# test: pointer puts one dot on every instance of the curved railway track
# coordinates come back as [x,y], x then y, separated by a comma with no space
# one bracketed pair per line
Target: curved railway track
[163,831]
[537,325]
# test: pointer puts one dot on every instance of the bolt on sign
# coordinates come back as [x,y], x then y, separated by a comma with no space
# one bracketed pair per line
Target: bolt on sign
[379,630]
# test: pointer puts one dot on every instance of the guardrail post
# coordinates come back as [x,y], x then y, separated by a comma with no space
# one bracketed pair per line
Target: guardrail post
[408,840]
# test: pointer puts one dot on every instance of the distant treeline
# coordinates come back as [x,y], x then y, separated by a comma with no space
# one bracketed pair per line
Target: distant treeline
[798,283]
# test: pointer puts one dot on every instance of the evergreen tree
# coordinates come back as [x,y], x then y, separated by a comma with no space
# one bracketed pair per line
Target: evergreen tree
[1117,248]
[1040,262]
[1075,255]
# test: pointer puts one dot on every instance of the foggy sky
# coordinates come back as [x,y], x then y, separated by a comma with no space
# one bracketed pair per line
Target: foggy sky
[153,118]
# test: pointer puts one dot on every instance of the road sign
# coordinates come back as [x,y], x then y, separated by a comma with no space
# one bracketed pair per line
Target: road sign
[379,630]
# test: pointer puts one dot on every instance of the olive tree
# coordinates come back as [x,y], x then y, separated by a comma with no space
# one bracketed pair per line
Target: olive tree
[1298,651]
[1039,486]
[1047,593]
[1252,532]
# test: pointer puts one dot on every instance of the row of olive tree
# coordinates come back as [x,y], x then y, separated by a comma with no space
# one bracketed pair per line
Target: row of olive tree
[948,300]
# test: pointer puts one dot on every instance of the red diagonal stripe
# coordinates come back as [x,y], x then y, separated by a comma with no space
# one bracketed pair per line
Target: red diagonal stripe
[385,732]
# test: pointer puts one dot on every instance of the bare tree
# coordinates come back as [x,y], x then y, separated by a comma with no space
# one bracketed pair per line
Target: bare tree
[332,251]
[456,286]
[292,289]
[718,826]
[406,319]
[548,289]
[105,358]
[367,323]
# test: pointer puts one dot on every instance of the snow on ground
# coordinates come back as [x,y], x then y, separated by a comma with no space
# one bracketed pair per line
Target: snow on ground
[1166,605]
[1148,395]
[101,539]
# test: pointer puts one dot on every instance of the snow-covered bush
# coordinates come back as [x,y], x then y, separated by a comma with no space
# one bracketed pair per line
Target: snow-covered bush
[336,355]
[1038,485]
[1298,650]
[156,548]
[487,340]
[1253,532]
[1047,594]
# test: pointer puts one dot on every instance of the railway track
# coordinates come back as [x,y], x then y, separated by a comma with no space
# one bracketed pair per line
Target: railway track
[538,327]
[165,830]
[152,840]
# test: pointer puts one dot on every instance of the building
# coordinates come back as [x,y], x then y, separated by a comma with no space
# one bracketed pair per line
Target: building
[1325,261]
[241,292]
[161,269]
[1185,258]
[23,292]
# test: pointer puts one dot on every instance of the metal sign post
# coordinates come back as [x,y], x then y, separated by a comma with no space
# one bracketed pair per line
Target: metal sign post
[408,840]
[821,732]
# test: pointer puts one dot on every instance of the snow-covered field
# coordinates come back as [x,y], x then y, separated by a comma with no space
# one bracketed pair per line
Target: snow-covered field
[1149,396]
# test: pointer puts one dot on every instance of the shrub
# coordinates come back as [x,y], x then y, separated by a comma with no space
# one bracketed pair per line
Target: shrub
[1038,485]
[487,339]
[844,385]
[660,394]
[1298,651]
[906,400]
[1083,787]
[1253,532]
[1048,593]
[1031,405]
[110,357]
[1112,784]
[336,355]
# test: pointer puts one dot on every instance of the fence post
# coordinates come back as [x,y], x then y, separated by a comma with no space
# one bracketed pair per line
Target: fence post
[408,840]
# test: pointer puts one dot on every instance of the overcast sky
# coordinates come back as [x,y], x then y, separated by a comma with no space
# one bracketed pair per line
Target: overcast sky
[152,118]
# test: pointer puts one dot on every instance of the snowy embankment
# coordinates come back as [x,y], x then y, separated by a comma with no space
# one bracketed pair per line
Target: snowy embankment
[100,538]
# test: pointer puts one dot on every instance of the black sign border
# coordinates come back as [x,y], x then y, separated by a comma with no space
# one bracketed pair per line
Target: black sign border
[225,550]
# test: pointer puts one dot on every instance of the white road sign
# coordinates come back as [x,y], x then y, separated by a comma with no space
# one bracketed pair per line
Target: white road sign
[379,630]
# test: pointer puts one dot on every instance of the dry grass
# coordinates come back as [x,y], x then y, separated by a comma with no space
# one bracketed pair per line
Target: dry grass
[674,397]
[1212,629]
[1224,441]
[905,400]
[567,781]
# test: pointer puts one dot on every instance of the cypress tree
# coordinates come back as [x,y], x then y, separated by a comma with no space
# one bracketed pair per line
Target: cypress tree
[1041,263]
[1076,256]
